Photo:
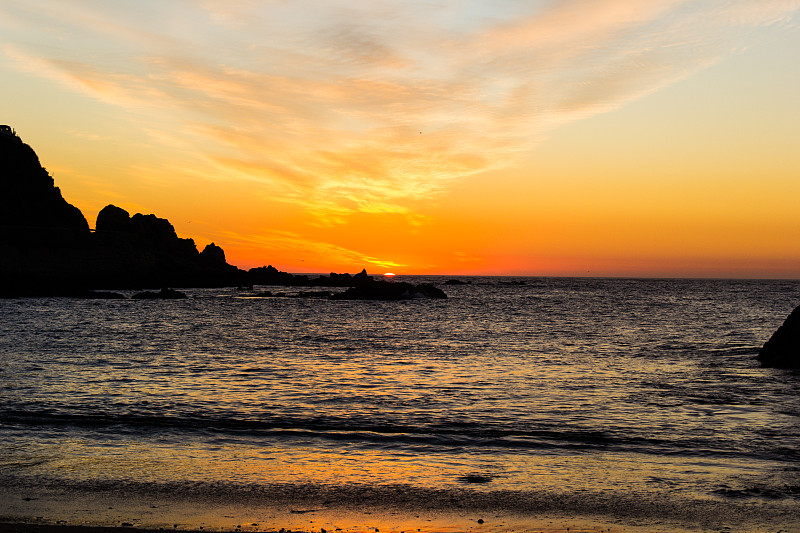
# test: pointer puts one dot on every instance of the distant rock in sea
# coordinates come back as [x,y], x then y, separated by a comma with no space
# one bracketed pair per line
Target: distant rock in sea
[163,294]
[269,275]
[782,350]
[388,290]
[361,286]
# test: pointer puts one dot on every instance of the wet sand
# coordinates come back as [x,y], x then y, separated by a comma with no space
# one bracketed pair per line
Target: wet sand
[49,528]
[104,515]
[61,528]
[36,509]
[101,513]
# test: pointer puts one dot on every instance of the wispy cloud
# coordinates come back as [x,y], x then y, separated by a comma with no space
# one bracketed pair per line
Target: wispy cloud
[303,249]
[348,106]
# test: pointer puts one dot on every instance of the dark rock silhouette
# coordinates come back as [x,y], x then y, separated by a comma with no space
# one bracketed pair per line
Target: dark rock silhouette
[28,194]
[387,290]
[361,277]
[213,255]
[43,239]
[269,275]
[263,294]
[116,227]
[782,350]
[475,478]
[163,294]
[47,248]
[362,286]
[145,251]
[112,218]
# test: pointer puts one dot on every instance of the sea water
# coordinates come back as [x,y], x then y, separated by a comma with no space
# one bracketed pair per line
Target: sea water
[631,401]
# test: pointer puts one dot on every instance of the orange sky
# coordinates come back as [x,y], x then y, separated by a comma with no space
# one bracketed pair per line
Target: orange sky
[572,137]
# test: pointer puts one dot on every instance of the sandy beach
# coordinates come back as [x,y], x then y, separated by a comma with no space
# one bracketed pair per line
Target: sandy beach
[51,511]
[50,528]
[20,527]
[70,511]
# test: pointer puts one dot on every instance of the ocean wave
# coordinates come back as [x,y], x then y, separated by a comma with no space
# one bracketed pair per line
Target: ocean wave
[443,438]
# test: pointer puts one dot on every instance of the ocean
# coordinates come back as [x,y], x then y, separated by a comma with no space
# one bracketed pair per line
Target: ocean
[512,405]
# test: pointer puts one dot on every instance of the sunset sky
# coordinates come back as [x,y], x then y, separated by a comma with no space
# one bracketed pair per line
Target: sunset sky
[569,137]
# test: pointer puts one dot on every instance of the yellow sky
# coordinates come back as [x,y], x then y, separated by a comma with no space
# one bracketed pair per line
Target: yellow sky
[571,137]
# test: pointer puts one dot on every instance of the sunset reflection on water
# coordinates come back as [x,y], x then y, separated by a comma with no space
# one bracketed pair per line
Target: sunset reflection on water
[530,399]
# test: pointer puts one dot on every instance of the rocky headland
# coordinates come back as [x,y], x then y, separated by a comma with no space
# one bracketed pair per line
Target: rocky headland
[47,247]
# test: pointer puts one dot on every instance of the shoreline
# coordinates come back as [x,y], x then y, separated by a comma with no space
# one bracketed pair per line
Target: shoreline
[67,512]
[24,527]
[535,525]
[70,511]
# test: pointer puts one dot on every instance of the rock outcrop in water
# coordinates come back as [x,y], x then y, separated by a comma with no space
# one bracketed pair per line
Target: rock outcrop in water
[269,275]
[163,294]
[782,350]
[389,290]
[361,286]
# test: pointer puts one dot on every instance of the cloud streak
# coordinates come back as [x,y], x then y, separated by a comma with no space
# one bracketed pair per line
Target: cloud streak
[303,249]
[343,108]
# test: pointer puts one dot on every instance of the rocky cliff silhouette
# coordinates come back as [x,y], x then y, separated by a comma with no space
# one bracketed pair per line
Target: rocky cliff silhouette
[47,247]
[30,199]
